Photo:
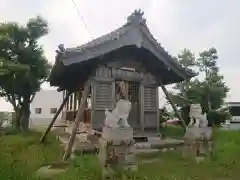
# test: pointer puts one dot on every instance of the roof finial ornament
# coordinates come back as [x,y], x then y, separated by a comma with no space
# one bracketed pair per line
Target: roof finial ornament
[60,49]
[136,17]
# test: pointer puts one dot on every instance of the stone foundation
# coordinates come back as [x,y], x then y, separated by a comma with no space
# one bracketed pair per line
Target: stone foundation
[198,141]
[117,150]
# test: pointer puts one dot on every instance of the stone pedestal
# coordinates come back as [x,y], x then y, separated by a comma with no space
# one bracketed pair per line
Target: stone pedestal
[117,134]
[117,150]
[198,141]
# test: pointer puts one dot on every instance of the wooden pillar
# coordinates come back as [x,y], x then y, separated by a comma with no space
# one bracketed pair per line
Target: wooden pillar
[79,97]
[71,102]
[126,85]
[77,100]
[93,95]
[113,94]
[54,118]
[173,106]
[67,104]
[158,123]
[78,118]
[74,104]
[141,90]
[63,96]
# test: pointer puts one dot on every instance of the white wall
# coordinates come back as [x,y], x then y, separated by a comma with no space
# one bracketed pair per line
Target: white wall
[45,99]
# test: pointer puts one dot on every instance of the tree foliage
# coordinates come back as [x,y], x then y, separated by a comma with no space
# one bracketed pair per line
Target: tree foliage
[209,91]
[7,67]
[27,67]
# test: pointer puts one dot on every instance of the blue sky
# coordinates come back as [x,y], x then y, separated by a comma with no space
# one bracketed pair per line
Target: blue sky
[177,24]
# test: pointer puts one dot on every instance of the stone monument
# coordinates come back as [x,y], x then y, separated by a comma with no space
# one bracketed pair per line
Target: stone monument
[117,148]
[198,136]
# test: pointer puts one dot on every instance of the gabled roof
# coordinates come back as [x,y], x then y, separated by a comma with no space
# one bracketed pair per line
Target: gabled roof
[134,33]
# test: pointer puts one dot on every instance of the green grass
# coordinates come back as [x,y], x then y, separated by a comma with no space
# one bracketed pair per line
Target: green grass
[224,163]
[173,131]
[21,154]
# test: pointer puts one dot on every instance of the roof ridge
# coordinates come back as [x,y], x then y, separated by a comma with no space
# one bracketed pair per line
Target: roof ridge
[135,18]
[171,58]
[90,43]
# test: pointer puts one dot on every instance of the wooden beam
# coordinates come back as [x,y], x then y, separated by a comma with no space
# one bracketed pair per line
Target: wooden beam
[173,106]
[78,119]
[55,117]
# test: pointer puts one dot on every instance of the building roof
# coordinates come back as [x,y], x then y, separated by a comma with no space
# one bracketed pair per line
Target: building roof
[134,33]
[233,104]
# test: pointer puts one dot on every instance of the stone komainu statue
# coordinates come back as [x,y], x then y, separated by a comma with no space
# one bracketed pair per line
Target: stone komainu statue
[118,117]
[198,135]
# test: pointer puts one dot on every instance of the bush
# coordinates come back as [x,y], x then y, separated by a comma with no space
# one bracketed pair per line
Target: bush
[217,117]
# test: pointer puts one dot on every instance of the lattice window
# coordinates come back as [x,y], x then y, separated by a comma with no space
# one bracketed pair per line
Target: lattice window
[128,90]
[133,92]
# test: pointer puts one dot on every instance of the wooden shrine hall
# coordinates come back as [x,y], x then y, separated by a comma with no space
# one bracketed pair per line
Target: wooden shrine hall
[128,60]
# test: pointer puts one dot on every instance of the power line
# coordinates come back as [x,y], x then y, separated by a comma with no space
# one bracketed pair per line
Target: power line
[82,19]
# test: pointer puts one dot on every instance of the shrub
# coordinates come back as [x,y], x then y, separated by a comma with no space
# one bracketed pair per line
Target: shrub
[218,117]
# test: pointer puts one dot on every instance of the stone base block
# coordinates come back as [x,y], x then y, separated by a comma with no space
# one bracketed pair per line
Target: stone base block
[117,134]
[117,148]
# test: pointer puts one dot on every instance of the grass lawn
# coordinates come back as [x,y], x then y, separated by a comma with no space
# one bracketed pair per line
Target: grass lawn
[21,155]
[173,131]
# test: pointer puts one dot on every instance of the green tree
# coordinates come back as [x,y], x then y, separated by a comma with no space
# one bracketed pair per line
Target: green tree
[19,48]
[209,91]
[7,67]
[213,88]
[187,60]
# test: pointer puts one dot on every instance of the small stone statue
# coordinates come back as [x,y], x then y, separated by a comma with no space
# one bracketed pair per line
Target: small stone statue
[60,49]
[118,117]
[197,118]
[198,133]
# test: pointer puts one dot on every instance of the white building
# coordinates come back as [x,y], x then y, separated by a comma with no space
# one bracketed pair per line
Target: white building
[234,108]
[44,106]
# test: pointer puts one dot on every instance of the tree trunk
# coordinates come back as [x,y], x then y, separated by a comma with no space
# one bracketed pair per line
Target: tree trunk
[185,109]
[17,117]
[185,114]
[24,119]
